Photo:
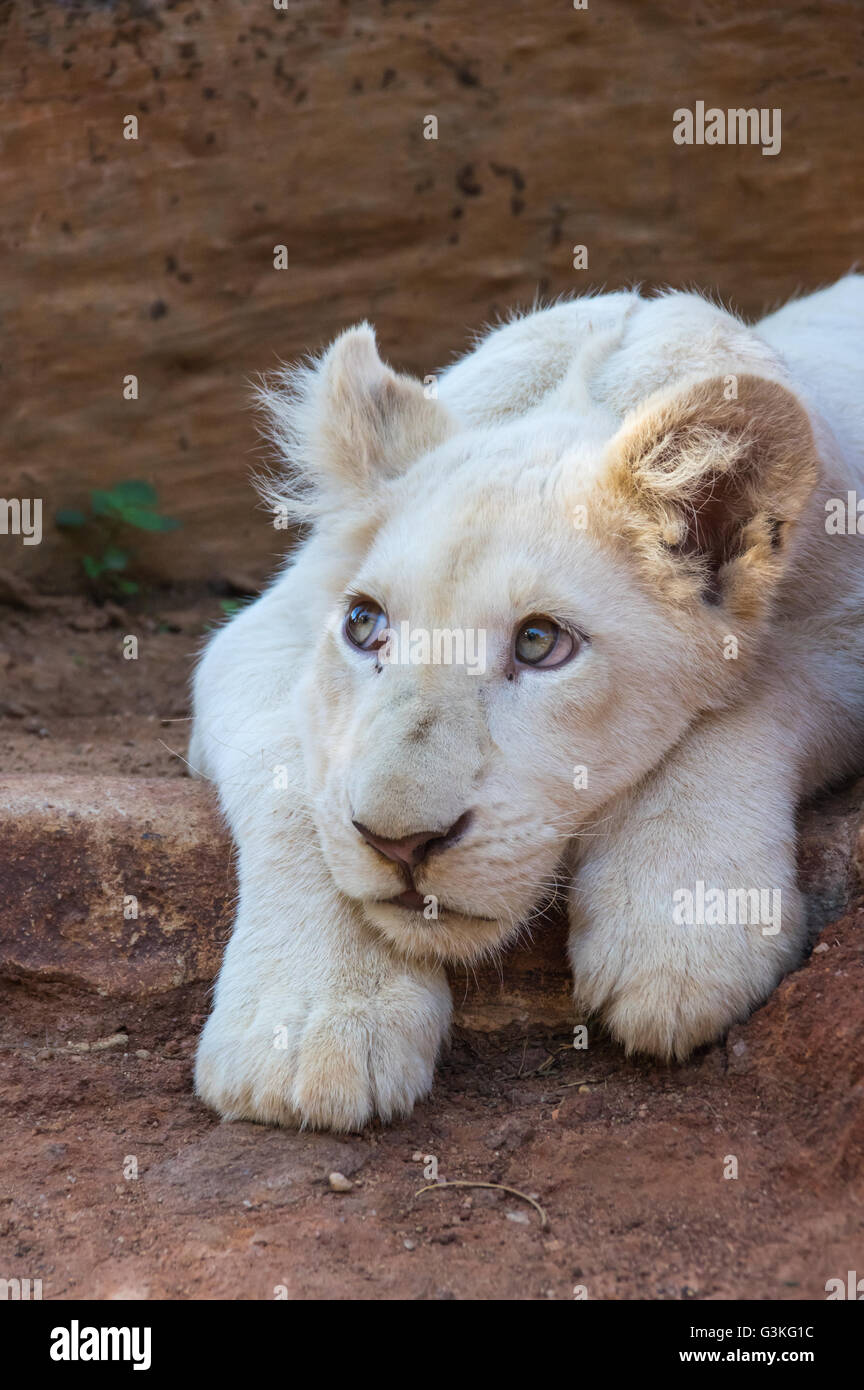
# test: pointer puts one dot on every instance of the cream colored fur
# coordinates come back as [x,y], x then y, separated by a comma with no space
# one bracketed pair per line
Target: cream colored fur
[651,471]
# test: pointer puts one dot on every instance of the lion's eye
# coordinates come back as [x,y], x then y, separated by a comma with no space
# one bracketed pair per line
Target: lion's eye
[364,624]
[541,642]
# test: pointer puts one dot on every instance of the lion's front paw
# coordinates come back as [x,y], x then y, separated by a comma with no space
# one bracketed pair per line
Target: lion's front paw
[669,1009]
[330,1063]
[670,1017]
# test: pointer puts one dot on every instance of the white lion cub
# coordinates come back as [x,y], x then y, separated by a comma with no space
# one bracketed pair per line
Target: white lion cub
[583,617]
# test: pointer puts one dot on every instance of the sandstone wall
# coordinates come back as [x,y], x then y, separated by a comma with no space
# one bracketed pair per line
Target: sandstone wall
[304,128]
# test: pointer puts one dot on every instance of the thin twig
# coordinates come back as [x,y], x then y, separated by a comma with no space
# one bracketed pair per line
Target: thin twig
[464,1182]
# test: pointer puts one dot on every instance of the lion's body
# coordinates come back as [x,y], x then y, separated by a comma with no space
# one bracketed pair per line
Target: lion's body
[653,474]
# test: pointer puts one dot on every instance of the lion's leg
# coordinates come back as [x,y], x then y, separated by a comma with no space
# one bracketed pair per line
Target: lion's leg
[718,815]
[316,1021]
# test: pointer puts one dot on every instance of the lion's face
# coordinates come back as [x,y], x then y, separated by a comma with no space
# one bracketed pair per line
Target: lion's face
[498,660]
[488,667]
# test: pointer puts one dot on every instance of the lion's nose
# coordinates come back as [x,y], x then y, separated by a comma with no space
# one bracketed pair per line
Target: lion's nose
[413,849]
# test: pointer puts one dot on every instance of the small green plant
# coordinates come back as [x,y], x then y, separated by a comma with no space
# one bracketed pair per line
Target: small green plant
[230,606]
[131,505]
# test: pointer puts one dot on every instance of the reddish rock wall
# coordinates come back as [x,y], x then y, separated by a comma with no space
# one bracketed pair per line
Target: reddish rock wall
[304,128]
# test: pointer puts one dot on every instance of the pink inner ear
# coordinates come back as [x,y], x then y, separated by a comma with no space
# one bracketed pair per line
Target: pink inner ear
[714,519]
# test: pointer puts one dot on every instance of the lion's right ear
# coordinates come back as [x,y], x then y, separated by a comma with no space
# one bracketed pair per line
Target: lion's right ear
[343,425]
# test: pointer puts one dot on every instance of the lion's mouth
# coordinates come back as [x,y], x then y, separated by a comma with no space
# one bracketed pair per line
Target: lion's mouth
[412,901]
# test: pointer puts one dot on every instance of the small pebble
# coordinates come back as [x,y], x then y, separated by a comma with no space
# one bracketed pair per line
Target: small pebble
[520,1217]
[339,1182]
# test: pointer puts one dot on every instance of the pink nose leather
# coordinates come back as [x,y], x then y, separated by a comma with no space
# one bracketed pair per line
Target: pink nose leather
[411,850]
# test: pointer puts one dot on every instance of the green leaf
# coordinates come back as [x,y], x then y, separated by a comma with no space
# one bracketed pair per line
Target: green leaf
[136,492]
[70,516]
[127,586]
[133,503]
[92,567]
[102,502]
[146,520]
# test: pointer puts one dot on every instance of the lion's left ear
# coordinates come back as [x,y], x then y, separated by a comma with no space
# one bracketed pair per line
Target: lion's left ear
[345,423]
[708,488]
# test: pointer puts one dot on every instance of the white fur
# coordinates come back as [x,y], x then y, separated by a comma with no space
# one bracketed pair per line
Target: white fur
[332,1003]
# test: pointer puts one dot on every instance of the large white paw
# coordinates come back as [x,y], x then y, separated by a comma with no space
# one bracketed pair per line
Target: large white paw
[671,999]
[665,1016]
[324,1063]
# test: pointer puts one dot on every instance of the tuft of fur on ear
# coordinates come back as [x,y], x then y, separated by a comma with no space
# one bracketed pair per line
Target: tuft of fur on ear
[708,490]
[343,424]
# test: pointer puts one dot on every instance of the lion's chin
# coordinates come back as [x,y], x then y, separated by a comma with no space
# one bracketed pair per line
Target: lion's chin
[450,936]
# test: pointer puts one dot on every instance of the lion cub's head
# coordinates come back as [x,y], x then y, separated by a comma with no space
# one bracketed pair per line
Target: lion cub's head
[509,626]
